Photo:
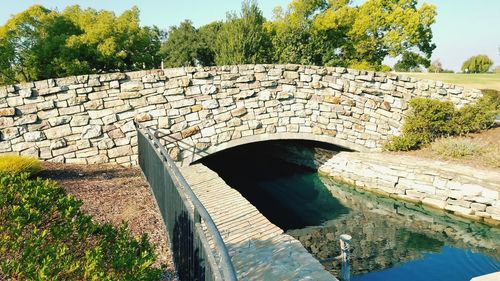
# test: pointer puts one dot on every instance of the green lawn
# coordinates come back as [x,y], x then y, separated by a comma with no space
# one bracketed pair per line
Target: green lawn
[477,81]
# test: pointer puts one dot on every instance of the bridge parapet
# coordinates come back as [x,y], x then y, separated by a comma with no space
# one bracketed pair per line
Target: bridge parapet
[199,111]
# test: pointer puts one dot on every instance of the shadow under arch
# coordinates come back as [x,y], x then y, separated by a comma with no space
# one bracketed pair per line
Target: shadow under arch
[191,154]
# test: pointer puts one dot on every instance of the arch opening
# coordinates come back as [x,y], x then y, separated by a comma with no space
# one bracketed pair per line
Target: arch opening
[279,178]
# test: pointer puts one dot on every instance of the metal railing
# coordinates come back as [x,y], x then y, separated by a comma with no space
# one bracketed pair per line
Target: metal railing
[195,257]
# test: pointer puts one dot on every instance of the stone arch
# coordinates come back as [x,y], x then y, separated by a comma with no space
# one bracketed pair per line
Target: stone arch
[90,118]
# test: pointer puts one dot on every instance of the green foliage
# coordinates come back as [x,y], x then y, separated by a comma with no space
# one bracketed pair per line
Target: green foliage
[456,147]
[431,119]
[207,40]
[243,40]
[293,37]
[477,64]
[181,46]
[478,116]
[39,43]
[15,164]
[45,236]
[324,32]
[403,143]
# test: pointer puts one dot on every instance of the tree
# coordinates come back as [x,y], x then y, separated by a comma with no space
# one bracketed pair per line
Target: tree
[32,44]
[243,40]
[477,64]
[110,43]
[356,36]
[207,37]
[435,67]
[181,46]
[39,43]
[293,38]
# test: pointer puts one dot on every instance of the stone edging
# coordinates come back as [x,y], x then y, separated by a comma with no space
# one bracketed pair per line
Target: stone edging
[461,190]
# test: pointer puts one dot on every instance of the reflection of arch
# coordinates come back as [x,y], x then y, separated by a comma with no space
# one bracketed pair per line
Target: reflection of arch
[190,154]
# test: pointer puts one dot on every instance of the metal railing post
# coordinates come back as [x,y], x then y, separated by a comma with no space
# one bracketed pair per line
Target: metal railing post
[345,254]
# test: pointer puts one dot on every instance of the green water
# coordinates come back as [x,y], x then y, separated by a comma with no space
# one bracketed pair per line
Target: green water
[391,240]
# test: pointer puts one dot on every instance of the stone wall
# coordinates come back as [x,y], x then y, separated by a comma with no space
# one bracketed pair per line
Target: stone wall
[461,190]
[89,118]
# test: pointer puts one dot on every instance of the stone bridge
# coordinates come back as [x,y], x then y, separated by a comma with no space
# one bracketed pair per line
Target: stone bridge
[199,111]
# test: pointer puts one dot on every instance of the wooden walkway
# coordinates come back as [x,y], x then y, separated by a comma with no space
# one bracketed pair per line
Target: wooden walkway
[259,250]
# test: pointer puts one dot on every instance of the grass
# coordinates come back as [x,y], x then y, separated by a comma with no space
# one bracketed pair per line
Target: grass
[480,150]
[457,147]
[481,81]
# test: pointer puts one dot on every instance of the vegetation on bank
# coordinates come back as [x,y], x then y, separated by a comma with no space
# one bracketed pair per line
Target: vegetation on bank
[45,236]
[40,43]
[430,119]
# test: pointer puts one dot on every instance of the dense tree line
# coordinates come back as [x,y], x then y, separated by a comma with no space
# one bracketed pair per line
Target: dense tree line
[39,43]
[317,32]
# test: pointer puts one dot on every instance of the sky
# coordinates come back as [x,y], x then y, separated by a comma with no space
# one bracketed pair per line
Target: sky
[463,28]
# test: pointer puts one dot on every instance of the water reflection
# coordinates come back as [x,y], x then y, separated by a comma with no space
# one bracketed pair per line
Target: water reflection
[387,232]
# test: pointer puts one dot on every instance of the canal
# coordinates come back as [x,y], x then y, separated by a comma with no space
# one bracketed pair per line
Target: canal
[391,240]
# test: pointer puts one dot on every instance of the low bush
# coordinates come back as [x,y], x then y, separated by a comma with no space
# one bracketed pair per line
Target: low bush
[456,147]
[478,116]
[429,119]
[15,164]
[45,236]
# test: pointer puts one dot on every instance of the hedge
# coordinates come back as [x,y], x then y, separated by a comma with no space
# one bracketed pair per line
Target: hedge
[45,236]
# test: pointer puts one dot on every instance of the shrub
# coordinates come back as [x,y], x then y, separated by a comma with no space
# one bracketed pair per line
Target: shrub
[456,148]
[430,119]
[403,143]
[15,164]
[45,236]
[478,116]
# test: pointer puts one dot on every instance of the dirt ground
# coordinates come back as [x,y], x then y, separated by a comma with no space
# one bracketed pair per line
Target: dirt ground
[111,193]
[489,139]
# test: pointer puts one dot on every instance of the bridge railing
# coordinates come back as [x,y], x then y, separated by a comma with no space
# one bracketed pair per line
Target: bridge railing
[196,256]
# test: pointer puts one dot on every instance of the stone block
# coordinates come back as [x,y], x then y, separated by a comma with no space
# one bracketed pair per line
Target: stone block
[190,131]
[58,144]
[239,112]
[120,151]
[132,86]
[143,117]
[434,203]
[210,104]
[7,112]
[245,79]
[58,132]
[91,131]
[459,210]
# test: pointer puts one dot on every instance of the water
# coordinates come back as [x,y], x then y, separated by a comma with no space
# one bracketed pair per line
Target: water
[391,240]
